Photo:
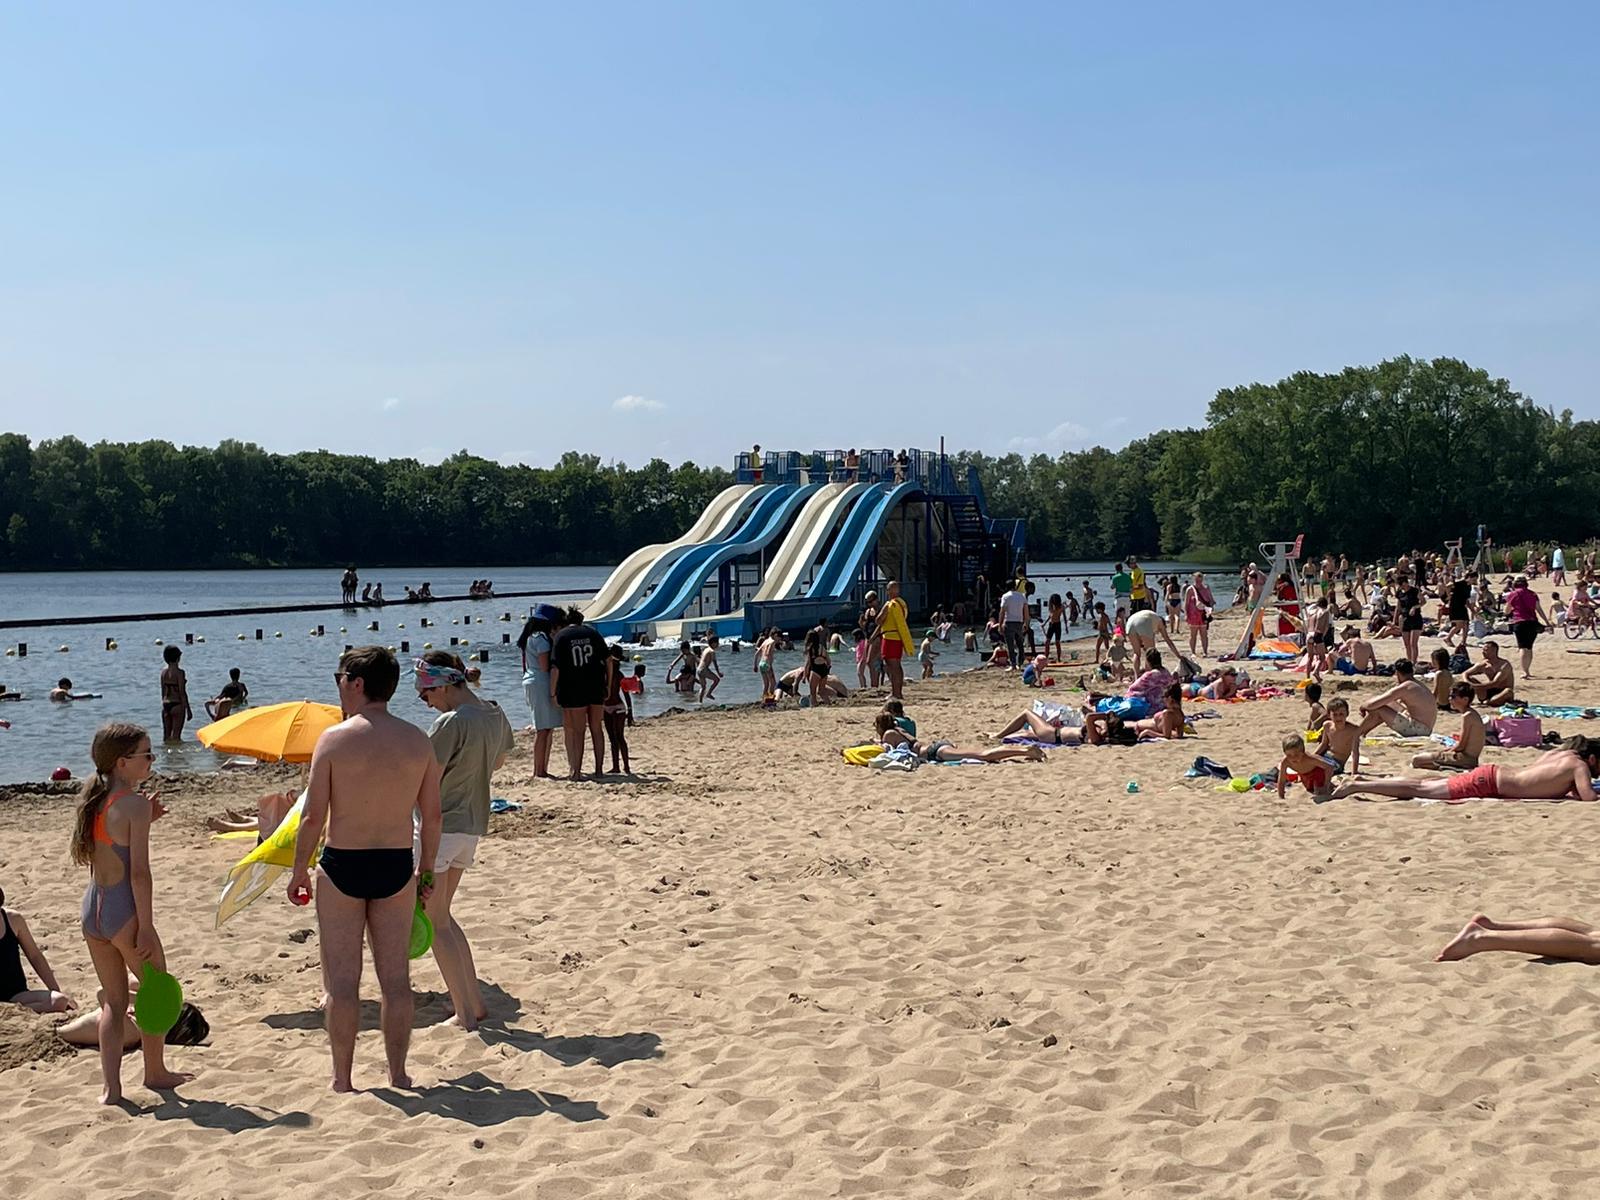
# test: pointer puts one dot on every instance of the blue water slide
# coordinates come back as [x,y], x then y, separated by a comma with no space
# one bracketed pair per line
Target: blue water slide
[856,539]
[677,590]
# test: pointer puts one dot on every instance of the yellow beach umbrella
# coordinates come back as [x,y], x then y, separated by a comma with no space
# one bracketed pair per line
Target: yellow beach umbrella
[275,733]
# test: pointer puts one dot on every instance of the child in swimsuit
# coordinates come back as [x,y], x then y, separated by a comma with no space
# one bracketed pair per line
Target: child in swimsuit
[1315,771]
[618,712]
[112,839]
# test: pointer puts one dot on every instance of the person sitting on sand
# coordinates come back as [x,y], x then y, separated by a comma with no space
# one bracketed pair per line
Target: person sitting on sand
[1147,693]
[270,811]
[1117,657]
[1407,708]
[1493,680]
[1339,741]
[1317,716]
[892,737]
[1555,775]
[1314,770]
[1440,677]
[1542,937]
[16,940]
[1469,742]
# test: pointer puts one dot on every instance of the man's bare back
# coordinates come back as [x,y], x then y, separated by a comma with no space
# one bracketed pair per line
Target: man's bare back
[1418,702]
[1359,651]
[368,775]
[376,765]
[1552,775]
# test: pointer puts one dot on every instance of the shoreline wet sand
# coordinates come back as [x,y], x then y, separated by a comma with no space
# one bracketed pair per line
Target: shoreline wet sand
[751,969]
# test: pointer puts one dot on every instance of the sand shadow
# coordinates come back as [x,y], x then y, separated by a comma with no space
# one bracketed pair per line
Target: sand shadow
[606,1050]
[429,1008]
[475,1099]
[232,1118]
[628,777]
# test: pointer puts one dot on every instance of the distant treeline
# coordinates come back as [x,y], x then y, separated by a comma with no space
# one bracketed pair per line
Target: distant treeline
[1368,462]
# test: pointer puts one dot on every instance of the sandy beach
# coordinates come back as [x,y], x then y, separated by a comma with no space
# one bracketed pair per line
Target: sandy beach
[755,970]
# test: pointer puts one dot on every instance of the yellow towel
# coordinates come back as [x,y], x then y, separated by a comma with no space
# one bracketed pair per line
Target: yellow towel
[894,625]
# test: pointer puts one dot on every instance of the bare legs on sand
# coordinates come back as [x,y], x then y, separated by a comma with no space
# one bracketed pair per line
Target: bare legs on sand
[387,923]
[1543,937]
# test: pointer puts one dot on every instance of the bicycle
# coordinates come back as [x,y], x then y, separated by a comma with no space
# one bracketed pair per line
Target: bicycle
[1589,625]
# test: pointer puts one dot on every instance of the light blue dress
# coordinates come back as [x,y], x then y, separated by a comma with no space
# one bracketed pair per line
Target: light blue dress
[536,686]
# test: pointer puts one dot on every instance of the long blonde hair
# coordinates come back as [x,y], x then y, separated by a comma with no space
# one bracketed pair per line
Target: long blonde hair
[111,743]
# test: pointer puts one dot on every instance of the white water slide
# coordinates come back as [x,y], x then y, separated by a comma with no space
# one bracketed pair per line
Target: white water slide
[627,584]
[805,541]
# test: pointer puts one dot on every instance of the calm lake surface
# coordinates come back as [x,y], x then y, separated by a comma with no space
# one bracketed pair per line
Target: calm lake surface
[298,665]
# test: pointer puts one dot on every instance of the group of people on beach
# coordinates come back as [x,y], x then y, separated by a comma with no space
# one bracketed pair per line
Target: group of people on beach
[575,682]
[392,816]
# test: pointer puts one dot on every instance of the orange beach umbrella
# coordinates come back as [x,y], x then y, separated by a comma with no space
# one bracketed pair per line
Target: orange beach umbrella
[275,733]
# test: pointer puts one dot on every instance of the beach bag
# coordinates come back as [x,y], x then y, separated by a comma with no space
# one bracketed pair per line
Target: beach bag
[1517,731]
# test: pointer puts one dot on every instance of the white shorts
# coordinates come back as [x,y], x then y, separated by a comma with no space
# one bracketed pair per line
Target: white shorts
[456,852]
[1405,725]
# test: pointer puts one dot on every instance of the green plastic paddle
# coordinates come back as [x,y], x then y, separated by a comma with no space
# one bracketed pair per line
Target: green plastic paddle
[421,933]
[156,1007]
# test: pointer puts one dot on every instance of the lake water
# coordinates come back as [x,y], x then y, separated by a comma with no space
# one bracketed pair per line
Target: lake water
[298,665]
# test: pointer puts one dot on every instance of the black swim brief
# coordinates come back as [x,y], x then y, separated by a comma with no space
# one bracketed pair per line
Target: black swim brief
[374,874]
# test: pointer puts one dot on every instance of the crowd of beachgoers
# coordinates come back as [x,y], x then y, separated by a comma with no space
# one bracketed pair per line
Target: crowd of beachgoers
[390,817]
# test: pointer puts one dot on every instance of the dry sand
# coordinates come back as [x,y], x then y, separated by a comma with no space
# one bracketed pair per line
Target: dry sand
[759,971]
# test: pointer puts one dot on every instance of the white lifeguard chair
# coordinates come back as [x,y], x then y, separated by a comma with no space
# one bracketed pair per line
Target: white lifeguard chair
[1452,559]
[1284,556]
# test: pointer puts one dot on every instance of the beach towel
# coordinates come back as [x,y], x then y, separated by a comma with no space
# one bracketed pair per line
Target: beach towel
[861,756]
[1558,712]
[894,625]
[898,759]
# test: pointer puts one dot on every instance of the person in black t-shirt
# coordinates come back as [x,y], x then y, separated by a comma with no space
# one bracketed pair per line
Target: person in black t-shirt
[1459,600]
[578,683]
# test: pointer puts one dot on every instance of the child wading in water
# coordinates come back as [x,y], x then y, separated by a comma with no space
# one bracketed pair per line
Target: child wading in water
[112,839]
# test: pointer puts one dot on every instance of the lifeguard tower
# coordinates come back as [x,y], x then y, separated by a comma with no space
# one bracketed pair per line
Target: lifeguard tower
[1284,556]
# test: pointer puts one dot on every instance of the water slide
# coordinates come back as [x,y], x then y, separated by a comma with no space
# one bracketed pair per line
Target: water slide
[626,585]
[856,539]
[788,568]
[682,583]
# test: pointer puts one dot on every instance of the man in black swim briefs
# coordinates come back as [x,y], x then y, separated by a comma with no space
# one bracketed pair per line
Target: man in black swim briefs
[368,775]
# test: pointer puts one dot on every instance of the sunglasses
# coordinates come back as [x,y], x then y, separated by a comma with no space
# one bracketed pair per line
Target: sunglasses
[150,754]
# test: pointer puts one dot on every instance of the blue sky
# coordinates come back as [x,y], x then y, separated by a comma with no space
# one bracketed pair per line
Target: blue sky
[642,229]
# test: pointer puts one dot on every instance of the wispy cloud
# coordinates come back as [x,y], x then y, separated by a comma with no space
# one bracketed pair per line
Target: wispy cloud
[391,403]
[636,404]
[1068,435]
